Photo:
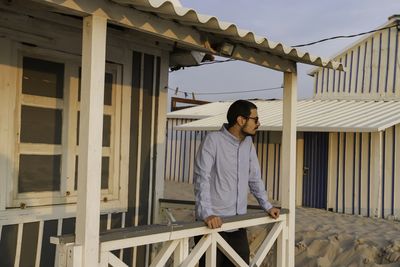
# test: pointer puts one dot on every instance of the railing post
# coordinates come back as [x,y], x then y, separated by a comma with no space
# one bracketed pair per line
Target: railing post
[281,247]
[211,253]
[181,252]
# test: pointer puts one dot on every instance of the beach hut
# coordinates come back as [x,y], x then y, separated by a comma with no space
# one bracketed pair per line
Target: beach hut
[83,88]
[348,140]
[373,75]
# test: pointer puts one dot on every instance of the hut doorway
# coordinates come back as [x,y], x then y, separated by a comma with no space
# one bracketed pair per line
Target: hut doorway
[315,169]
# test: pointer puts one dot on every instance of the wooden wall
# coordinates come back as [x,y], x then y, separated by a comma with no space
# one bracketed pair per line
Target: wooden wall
[364,173]
[372,70]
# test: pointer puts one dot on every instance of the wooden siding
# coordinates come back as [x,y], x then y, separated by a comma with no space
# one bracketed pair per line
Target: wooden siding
[361,183]
[27,243]
[372,70]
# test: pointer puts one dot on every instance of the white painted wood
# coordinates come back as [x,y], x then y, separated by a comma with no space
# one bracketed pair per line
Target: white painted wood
[349,173]
[6,125]
[42,101]
[181,252]
[39,244]
[376,174]
[109,221]
[40,149]
[281,246]
[198,251]
[288,180]
[19,244]
[115,261]
[164,254]
[387,165]
[331,183]
[156,238]
[61,255]
[229,251]
[364,174]
[211,252]
[268,243]
[263,59]
[69,122]
[92,95]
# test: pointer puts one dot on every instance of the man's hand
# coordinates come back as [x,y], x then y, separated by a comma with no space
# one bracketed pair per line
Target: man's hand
[274,212]
[213,221]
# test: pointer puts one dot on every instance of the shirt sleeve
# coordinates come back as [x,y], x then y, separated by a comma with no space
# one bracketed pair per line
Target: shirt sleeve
[257,187]
[202,172]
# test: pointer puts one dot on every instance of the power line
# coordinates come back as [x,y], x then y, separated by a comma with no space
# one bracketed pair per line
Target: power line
[343,36]
[186,93]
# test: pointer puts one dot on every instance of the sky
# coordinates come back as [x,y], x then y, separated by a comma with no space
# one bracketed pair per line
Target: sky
[290,22]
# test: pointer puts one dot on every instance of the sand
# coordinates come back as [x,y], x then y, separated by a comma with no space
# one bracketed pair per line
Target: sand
[323,238]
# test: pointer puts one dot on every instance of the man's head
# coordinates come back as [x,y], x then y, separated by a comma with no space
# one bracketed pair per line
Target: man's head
[243,115]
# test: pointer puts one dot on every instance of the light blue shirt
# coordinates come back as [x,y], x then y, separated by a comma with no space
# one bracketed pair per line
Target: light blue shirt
[224,168]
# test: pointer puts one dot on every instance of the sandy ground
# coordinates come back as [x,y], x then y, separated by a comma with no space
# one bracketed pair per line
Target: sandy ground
[323,238]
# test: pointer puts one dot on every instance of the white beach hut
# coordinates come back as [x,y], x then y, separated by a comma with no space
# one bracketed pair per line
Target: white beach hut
[82,128]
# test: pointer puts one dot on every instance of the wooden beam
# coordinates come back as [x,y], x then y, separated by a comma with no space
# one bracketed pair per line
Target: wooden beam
[90,147]
[263,59]
[288,181]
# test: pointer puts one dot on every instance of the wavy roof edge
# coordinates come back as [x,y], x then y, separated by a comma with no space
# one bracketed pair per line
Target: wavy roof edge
[168,10]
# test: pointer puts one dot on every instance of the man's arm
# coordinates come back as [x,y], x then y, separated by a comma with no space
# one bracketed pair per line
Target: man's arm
[202,172]
[257,187]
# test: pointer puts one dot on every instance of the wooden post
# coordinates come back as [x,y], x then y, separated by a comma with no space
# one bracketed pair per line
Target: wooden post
[90,138]
[288,181]
[376,174]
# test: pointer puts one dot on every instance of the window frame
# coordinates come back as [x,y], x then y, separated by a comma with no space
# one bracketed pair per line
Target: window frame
[68,149]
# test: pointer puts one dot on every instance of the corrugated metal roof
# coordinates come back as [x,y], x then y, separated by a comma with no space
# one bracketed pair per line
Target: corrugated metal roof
[201,111]
[229,31]
[317,116]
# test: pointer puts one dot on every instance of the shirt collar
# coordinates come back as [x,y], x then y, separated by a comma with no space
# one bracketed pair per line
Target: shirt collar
[230,137]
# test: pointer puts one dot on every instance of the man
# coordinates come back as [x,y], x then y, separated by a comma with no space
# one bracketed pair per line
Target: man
[225,166]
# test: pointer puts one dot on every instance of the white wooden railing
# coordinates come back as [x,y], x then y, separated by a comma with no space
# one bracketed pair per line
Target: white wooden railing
[174,239]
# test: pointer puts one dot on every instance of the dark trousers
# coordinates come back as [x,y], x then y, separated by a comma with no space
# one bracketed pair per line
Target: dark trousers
[237,240]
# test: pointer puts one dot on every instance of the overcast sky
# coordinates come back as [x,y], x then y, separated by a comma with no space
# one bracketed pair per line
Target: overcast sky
[290,22]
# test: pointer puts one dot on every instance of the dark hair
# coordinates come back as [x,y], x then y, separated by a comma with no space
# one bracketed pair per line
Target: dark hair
[239,108]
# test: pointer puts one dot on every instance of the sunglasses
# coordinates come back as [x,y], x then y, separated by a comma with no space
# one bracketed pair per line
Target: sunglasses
[253,118]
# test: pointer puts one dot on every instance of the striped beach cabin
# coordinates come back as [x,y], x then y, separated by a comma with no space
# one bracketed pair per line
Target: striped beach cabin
[348,139]
[83,100]
[339,164]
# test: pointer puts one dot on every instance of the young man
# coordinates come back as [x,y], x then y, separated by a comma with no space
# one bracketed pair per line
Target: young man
[225,166]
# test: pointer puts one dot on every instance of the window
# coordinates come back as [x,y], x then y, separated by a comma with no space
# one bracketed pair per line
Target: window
[47,157]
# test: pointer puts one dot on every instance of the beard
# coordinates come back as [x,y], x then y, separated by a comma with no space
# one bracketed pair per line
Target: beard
[246,133]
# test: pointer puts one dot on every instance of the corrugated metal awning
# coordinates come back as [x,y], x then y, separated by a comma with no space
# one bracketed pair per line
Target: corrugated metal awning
[201,111]
[317,116]
[227,31]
